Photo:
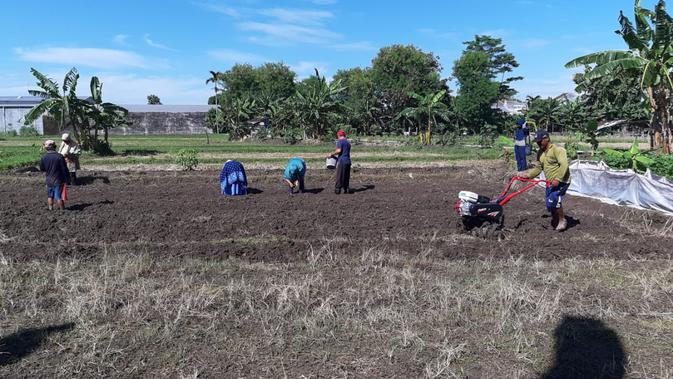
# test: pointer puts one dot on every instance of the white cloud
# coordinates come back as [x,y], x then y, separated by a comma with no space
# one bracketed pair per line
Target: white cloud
[92,57]
[297,16]
[304,69]
[156,45]
[219,8]
[354,46]
[273,34]
[120,39]
[235,56]
[534,43]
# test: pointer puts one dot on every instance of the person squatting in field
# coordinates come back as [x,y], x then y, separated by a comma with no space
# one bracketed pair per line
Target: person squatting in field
[553,161]
[71,152]
[343,167]
[294,174]
[233,181]
[520,135]
[56,174]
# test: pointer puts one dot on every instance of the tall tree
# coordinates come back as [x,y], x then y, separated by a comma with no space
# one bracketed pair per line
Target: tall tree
[153,100]
[477,91]
[359,99]
[399,70]
[215,78]
[501,61]
[612,98]
[650,46]
[545,112]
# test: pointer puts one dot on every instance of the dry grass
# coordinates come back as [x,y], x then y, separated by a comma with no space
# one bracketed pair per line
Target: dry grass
[366,313]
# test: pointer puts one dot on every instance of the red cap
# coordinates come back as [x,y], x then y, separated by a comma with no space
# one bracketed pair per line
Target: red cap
[341,133]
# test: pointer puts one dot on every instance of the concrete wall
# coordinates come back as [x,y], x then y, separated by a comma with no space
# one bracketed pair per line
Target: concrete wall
[164,123]
[11,118]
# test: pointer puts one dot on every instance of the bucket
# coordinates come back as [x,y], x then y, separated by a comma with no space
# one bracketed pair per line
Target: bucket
[331,163]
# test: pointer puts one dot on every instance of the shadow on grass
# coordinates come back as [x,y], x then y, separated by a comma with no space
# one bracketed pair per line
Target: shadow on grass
[16,346]
[254,191]
[586,348]
[139,152]
[314,191]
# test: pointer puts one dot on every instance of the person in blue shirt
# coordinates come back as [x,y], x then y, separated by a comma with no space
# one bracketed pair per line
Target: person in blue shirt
[294,174]
[343,167]
[56,173]
[520,145]
[233,181]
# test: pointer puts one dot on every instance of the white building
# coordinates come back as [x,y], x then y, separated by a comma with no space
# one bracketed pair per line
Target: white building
[13,109]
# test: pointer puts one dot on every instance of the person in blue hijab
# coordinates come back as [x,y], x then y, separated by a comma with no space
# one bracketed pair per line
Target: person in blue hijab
[520,135]
[294,174]
[233,181]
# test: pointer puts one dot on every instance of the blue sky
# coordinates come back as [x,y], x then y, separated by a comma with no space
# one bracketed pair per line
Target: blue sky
[167,47]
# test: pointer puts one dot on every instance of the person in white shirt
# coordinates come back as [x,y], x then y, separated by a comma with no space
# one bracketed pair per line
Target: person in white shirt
[71,152]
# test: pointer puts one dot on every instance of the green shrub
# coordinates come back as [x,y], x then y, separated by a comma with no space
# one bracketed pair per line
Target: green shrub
[187,159]
[11,133]
[28,131]
[572,148]
[663,166]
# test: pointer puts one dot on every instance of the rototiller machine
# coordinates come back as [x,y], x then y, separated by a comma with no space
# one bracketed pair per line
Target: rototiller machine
[483,217]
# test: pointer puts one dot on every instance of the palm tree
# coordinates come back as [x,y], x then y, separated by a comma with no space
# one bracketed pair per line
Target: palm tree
[215,77]
[651,53]
[429,107]
[59,102]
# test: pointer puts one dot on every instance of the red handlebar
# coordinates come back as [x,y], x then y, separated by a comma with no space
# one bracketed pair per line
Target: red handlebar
[503,198]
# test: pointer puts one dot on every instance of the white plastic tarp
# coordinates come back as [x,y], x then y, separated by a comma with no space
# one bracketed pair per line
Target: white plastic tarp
[621,187]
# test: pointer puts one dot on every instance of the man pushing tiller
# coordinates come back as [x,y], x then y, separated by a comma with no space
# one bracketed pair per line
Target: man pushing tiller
[553,161]
[484,216]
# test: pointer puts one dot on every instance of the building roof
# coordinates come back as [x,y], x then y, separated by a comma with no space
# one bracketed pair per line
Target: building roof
[20,100]
[146,108]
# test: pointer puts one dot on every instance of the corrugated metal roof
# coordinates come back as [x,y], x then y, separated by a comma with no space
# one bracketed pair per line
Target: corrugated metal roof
[146,108]
[19,100]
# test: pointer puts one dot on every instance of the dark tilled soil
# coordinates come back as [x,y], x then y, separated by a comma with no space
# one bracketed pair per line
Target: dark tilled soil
[408,210]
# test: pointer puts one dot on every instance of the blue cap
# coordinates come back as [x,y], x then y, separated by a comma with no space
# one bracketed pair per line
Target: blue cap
[520,122]
[541,134]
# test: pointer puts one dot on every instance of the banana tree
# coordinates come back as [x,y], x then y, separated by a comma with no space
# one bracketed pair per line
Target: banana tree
[318,104]
[650,52]
[62,103]
[105,115]
[430,107]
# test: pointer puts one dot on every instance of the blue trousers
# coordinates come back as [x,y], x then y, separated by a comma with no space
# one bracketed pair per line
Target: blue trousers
[520,155]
